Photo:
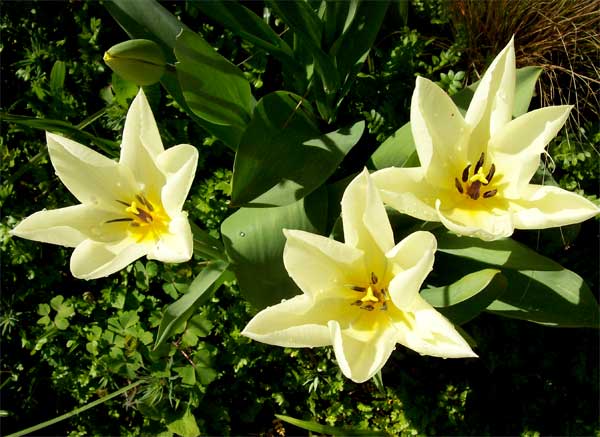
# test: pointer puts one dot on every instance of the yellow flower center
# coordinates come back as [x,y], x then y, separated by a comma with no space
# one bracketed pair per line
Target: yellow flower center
[470,186]
[373,296]
[147,220]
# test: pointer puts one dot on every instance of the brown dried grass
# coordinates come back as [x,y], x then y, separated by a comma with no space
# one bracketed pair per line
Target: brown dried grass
[561,36]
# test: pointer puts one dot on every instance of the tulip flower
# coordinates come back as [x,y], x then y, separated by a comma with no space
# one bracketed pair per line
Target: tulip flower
[361,296]
[475,170]
[128,209]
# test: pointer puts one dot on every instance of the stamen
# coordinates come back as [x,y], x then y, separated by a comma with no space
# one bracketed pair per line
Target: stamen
[144,202]
[367,307]
[119,220]
[356,288]
[373,278]
[473,190]
[490,193]
[458,186]
[122,203]
[357,302]
[383,307]
[490,174]
[479,163]
[465,173]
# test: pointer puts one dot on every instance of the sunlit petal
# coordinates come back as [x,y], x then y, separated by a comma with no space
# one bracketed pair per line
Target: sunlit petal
[179,164]
[485,224]
[176,245]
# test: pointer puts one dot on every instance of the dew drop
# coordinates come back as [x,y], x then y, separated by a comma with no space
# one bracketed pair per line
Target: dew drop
[242,234]
[95,230]
[283,300]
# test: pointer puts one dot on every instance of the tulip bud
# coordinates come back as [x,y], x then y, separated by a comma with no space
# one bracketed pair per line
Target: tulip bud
[139,60]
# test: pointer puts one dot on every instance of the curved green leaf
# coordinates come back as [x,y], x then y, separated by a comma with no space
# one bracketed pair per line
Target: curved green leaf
[326,429]
[200,290]
[282,156]
[397,151]
[214,88]
[254,241]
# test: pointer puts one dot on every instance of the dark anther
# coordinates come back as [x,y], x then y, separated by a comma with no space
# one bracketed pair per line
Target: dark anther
[119,220]
[465,175]
[367,307]
[144,202]
[383,307]
[473,190]
[358,302]
[373,278]
[357,288]
[458,185]
[479,163]
[490,174]
[143,215]
[123,203]
[490,193]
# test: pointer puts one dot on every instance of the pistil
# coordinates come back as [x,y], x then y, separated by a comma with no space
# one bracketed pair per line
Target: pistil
[472,184]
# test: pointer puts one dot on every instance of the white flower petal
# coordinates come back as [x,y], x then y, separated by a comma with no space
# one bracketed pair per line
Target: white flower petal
[140,131]
[410,261]
[69,226]
[360,360]
[93,259]
[439,131]
[366,224]
[91,177]
[318,264]
[177,245]
[427,332]
[492,104]
[406,190]
[297,322]
[486,224]
[516,149]
[179,164]
[546,206]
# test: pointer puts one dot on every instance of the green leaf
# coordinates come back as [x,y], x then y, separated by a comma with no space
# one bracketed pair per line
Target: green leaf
[203,361]
[200,290]
[308,28]
[185,426]
[57,77]
[396,151]
[331,430]
[246,24]
[214,88]
[282,156]
[526,79]
[187,374]
[254,241]
[468,297]
[461,290]
[111,148]
[206,245]
[554,298]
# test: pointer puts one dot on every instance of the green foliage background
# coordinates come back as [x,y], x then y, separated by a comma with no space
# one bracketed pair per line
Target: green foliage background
[67,342]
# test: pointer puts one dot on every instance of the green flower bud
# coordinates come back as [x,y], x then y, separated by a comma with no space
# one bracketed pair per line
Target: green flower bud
[139,60]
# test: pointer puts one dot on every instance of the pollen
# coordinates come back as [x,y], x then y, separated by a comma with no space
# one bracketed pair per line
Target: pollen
[147,220]
[471,184]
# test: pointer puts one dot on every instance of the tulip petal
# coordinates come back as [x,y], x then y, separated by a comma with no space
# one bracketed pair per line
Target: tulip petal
[439,131]
[91,177]
[516,149]
[486,224]
[179,164]
[411,261]
[318,264]
[492,104]
[406,190]
[177,245]
[69,226]
[546,206]
[92,259]
[427,332]
[366,224]
[140,131]
[361,357]
[297,322]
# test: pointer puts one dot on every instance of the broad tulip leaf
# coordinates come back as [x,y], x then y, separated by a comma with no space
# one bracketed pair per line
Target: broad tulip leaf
[468,297]
[246,24]
[282,156]
[326,429]
[214,88]
[308,28]
[199,291]
[527,77]
[396,151]
[254,241]
[555,298]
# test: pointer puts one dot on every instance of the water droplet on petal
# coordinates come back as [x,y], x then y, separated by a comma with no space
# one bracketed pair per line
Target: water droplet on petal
[242,234]
[283,300]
